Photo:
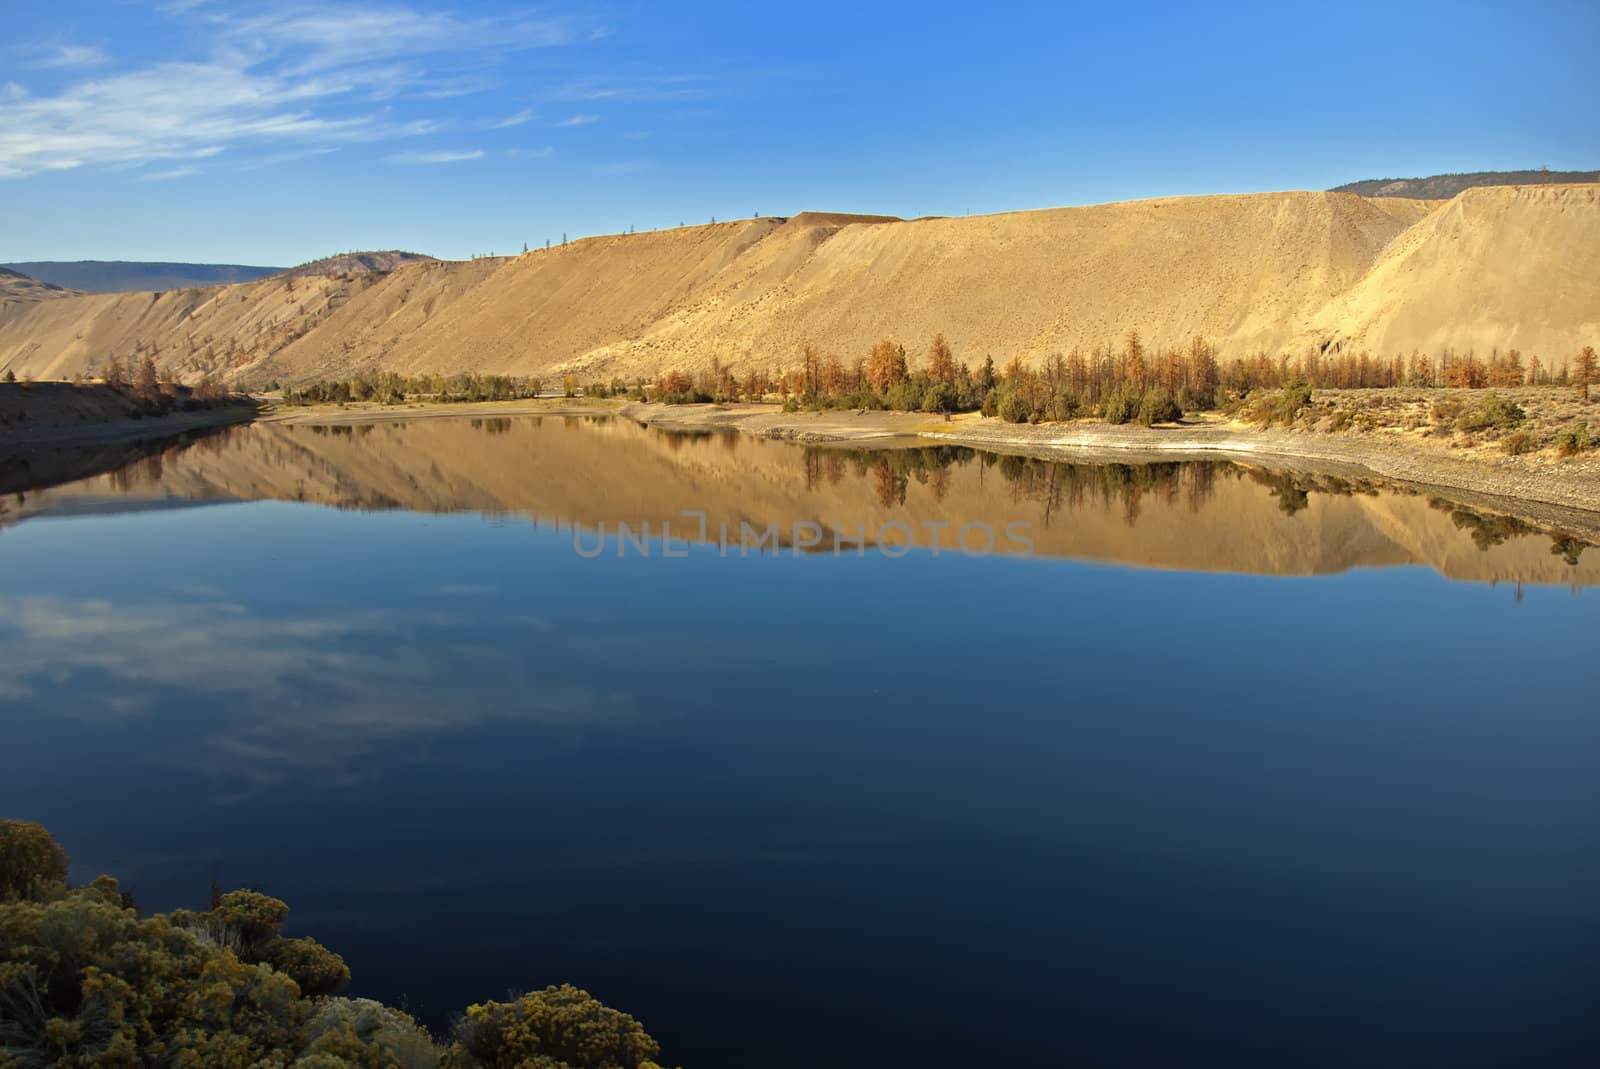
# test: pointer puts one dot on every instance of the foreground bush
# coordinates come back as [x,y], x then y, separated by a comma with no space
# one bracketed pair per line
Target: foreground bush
[314,968]
[85,983]
[555,1028]
[31,862]
[364,1032]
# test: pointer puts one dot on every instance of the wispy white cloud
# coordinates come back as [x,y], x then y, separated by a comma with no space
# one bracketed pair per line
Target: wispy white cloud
[287,695]
[667,87]
[436,157]
[579,120]
[457,86]
[311,74]
[544,152]
[167,176]
[327,37]
[171,111]
[521,117]
[58,56]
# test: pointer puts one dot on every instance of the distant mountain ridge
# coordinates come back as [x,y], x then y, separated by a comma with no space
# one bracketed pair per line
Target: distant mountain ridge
[128,276]
[1445,186]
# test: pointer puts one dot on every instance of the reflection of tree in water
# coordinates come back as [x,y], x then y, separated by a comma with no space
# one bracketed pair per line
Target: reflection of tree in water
[823,464]
[888,484]
[1492,529]
[1292,497]
[351,430]
[891,470]
[1052,485]
[1568,548]
[492,425]
[1489,531]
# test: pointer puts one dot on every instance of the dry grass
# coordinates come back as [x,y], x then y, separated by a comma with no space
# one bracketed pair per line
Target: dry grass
[1455,419]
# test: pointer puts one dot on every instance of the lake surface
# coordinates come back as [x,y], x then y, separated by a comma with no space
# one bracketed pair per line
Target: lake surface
[1186,762]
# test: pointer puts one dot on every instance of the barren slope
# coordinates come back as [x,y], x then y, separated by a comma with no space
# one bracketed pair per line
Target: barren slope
[1516,266]
[1508,267]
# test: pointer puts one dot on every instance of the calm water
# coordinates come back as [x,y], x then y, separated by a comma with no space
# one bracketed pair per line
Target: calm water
[1231,764]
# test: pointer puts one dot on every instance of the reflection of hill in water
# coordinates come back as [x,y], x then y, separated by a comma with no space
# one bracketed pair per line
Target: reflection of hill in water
[585,471]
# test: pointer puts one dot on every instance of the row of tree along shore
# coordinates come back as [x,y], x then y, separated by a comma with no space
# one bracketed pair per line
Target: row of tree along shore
[1129,383]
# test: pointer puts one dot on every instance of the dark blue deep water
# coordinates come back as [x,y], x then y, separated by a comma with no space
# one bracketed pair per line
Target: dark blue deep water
[806,809]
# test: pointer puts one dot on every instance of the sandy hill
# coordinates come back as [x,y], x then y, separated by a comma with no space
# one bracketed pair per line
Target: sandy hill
[122,276]
[20,289]
[359,263]
[1445,186]
[1513,265]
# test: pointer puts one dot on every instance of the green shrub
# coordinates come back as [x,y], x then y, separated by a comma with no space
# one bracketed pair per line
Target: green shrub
[1157,406]
[1490,412]
[361,1032]
[250,921]
[1283,406]
[1065,405]
[557,1028]
[1295,398]
[1570,441]
[904,396]
[863,396]
[83,982]
[32,863]
[1012,408]
[1118,407]
[318,970]
[1518,443]
[86,984]
[939,397]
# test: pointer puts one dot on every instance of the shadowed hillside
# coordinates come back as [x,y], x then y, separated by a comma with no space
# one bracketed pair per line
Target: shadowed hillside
[16,288]
[1277,272]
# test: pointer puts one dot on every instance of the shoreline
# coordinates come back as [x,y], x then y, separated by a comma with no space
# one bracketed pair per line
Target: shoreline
[1567,494]
[359,412]
[15,442]
[1564,494]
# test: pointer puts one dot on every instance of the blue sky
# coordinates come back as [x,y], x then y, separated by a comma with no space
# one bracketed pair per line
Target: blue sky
[276,131]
